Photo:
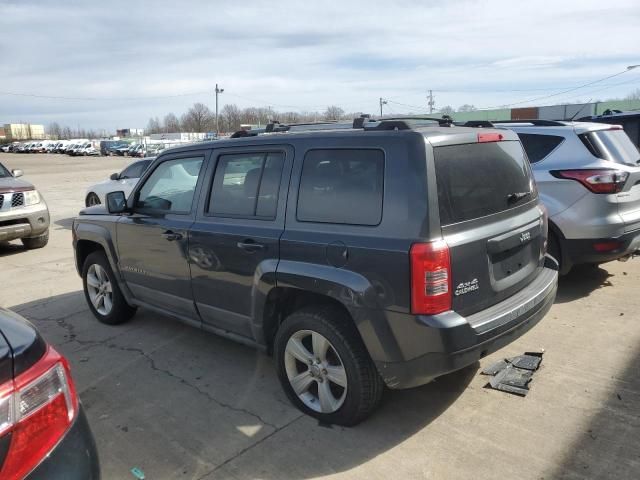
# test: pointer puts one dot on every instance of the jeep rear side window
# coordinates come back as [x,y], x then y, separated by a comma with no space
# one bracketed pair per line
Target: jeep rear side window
[171,186]
[539,146]
[480,179]
[342,186]
[247,185]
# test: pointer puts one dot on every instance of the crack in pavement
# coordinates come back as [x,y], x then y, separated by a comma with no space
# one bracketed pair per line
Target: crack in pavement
[250,447]
[182,380]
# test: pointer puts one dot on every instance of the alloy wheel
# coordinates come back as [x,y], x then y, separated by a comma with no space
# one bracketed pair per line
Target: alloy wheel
[99,289]
[315,371]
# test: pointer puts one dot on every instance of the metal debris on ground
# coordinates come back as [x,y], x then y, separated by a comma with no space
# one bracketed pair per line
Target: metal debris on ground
[136,472]
[514,374]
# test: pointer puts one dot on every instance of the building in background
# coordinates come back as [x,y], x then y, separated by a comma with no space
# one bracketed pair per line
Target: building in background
[130,132]
[2,135]
[24,131]
[549,112]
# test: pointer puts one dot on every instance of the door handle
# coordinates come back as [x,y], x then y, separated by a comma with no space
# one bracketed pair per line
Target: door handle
[250,246]
[171,236]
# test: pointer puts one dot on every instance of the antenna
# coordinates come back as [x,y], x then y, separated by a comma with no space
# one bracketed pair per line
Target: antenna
[580,109]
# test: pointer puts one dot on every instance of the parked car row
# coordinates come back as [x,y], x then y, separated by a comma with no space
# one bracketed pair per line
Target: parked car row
[134,149]
[70,147]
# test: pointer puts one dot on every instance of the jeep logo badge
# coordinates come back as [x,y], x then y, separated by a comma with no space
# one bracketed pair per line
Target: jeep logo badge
[525,237]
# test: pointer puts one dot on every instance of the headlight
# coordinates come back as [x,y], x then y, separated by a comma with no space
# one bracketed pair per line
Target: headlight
[31,197]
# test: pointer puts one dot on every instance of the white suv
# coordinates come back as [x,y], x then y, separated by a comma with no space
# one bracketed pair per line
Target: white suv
[588,177]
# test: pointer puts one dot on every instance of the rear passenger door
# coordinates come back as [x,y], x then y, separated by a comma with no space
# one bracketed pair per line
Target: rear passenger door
[234,243]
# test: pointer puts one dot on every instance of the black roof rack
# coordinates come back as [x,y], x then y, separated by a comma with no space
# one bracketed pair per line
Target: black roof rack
[477,124]
[444,121]
[363,122]
[536,122]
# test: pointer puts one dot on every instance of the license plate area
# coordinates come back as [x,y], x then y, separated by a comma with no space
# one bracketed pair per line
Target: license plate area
[509,262]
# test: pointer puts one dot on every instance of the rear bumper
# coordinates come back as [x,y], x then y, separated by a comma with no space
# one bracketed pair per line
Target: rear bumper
[575,252]
[74,458]
[451,342]
[24,222]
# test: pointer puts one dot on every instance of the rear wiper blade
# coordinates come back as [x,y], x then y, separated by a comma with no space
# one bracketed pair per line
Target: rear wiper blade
[517,196]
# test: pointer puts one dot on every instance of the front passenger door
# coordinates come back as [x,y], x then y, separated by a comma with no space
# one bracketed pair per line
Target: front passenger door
[153,241]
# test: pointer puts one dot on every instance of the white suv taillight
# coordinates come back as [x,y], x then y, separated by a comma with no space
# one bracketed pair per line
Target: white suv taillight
[430,278]
[36,409]
[596,180]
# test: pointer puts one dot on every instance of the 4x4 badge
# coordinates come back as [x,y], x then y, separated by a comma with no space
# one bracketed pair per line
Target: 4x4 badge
[466,287]
[525,237]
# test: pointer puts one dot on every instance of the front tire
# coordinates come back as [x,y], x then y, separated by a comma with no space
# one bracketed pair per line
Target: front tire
[102,292]
[324,367]
[36,242]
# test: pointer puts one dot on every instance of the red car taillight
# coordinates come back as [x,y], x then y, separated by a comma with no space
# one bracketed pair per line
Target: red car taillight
[36,409]
[430,278]
[596,180]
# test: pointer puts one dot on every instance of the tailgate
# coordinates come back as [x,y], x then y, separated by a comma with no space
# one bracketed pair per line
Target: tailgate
[490,220]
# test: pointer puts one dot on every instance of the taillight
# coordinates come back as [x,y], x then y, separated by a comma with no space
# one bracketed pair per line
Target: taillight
[430,278]
[606,246]
[596,180]
[36,409]
[489,137]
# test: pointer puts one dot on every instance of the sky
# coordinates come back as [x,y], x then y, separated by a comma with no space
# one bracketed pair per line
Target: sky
[117,63]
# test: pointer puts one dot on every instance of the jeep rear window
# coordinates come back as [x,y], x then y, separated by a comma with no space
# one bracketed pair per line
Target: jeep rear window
[479,179]
[613,145]
[342,186]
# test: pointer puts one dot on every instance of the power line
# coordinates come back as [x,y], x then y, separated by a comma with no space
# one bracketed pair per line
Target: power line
[565,91]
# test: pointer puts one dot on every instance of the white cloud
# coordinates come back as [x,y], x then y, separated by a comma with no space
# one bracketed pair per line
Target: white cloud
[304,55]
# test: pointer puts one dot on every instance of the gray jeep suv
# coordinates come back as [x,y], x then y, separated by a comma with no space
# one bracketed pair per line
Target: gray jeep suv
[361,255]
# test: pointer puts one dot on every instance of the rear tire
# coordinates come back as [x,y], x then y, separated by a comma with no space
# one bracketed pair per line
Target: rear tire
[102,292]
[337,382]
[36,242]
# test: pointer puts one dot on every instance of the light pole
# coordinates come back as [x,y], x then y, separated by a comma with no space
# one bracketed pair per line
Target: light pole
[218,92]
[382,102]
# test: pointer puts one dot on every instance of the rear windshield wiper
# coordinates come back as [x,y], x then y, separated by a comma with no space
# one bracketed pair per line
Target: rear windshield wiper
[517,196]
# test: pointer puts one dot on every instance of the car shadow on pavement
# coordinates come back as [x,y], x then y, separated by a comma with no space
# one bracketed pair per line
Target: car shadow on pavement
[176,401]
[608,445]
[7,249]
[581,281]
[64,223]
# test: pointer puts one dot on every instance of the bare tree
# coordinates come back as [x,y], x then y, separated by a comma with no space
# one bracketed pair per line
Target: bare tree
[66,133]
[198,119]
[333,113]
[55,130]
[153,126]
[170,123]
[447,110]
[231,117]
[467,108]
[635,95]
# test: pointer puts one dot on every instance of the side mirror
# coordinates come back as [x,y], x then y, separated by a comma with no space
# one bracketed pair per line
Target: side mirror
[114,176]
[17,173]
[116,202]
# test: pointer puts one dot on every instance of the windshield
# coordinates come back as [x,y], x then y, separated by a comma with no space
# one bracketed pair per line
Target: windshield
[4,172]
[613,145]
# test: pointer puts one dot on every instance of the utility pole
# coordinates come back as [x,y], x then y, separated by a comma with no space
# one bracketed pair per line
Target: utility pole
[431,102]
[382,102]
[218,92]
